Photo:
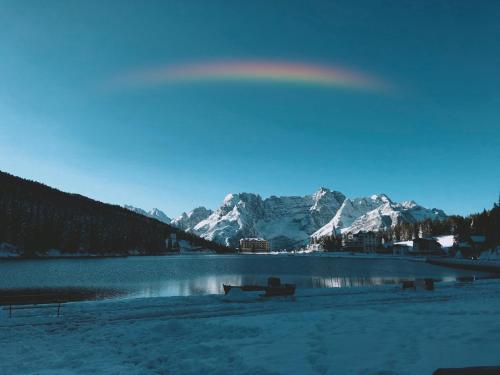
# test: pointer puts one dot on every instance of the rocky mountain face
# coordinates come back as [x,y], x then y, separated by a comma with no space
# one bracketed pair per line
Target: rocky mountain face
[187,221]
[154,213]
[289,222]
[285,221]
[375,213]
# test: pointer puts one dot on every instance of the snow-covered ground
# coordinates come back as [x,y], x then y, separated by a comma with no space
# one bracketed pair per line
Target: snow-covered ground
[8,251]
[369,330]
[493,254]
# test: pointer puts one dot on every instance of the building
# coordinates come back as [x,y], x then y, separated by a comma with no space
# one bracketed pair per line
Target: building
[171,242]
[315,247]
[367,242]
[464,250]
[351,242]
[254,245]
[426,246]
[470,248]
[478,242]
[401,249]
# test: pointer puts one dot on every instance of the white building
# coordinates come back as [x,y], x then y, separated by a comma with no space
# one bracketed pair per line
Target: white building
[315,247]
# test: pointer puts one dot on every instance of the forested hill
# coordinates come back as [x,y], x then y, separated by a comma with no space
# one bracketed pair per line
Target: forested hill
[36,218]
[486,223]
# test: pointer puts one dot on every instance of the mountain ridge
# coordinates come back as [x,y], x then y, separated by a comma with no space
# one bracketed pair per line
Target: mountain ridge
[291,221]
[154,213]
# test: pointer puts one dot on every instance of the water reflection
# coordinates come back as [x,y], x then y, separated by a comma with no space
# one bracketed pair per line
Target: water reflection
[199,275]
[214,284]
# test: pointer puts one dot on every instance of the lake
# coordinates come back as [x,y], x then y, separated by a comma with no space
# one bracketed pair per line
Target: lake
[184,275]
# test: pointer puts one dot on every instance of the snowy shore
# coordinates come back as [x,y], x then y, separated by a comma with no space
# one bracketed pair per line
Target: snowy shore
[369,330]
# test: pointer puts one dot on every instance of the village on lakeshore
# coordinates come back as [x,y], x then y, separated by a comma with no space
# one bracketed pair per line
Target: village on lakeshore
[373,243]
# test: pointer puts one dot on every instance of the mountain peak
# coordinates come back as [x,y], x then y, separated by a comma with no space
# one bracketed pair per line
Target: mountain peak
[155,213]
[381,197]
[229,198]
[321,191]
[409,204]
[327,200]
[187,221]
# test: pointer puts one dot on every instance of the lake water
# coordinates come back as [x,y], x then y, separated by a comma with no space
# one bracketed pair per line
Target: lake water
[184,275]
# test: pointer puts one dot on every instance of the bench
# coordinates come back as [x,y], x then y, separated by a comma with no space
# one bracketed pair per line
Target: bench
[12,302]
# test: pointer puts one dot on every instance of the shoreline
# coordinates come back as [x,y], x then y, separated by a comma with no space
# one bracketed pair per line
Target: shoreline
[347,255]
[90,256]
[489,266]
[339,256]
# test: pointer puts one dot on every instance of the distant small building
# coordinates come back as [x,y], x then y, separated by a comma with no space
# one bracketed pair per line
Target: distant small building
[401,249]
[254,245]
[362,241]
[463,249]
[470,247]
[478,242]
[171,242]
[315,247]
[426,246]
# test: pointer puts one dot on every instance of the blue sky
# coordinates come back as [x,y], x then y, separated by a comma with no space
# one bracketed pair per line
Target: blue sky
[434,138]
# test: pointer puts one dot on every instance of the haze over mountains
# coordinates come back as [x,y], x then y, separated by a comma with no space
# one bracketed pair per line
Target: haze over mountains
[290,221]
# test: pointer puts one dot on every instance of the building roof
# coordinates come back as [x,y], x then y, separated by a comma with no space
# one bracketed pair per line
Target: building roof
[428,239]
[403,244]
[253,239]
[446,240]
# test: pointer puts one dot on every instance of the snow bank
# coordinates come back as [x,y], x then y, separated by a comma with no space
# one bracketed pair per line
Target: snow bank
[8,251]
[404,243]
[376,330]
[493,254]
[187,247]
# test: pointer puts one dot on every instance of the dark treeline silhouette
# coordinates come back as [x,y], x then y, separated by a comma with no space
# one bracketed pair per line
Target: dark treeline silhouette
[486,223]
[36,218]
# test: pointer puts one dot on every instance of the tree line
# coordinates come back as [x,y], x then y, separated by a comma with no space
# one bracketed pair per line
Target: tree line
[36,218]
[486,223]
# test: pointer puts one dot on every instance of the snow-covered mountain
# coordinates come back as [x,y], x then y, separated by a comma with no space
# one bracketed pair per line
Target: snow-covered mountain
[187,221]
[375,213]
[285,221]
[290,221]
[155,213]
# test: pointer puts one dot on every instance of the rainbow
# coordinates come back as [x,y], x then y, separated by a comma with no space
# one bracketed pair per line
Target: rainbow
[257,71]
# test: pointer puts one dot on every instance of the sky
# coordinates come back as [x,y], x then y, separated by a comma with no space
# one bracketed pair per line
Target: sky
[174,104]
